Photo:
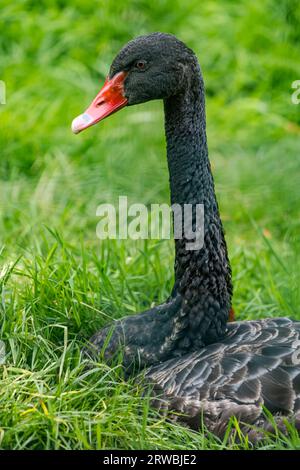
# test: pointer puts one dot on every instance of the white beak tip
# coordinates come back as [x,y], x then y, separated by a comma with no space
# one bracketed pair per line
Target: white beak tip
[80,122]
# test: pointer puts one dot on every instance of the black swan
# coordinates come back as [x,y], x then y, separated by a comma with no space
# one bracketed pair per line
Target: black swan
[198,364]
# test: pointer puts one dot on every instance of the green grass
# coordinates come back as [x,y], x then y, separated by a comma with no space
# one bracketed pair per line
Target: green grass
[58,283]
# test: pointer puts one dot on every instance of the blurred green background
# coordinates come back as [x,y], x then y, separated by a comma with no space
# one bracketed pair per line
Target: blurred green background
[58,282]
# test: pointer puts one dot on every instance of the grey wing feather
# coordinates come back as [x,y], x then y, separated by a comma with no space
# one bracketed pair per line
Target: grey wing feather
[257,363]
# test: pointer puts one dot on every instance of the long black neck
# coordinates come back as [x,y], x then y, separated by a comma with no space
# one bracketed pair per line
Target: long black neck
[185,126]
[203,275]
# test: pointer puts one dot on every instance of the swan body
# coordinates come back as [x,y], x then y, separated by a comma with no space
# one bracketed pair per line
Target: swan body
[256,364]
[197,363]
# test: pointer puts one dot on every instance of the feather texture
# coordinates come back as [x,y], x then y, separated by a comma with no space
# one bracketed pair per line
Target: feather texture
[256,364]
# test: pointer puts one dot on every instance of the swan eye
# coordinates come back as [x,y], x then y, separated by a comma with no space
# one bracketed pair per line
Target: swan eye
[140,64]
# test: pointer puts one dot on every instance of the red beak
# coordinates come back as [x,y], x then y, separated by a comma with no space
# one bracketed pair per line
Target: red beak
[110,99]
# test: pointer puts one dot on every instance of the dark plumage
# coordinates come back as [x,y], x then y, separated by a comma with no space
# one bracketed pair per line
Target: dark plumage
[199,364]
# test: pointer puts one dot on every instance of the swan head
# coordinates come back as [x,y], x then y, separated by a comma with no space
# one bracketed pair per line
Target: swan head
[155,66]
